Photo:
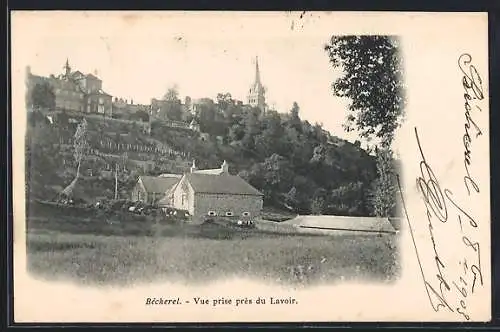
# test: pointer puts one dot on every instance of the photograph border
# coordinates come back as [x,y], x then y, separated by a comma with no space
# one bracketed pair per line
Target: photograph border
[494,71]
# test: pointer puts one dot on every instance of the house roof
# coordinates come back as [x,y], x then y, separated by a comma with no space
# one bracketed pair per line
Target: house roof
[220,184]
[77,74]
[92,76]
[156,184]
[354,224]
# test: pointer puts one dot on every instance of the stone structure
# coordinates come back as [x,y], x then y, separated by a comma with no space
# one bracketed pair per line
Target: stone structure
[257,93]
[213,192]
[74,91]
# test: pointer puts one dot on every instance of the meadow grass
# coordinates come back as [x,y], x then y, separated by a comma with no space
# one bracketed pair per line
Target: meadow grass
[113,252]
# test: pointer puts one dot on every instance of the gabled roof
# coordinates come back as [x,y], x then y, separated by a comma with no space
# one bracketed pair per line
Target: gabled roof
[220,184]
[92,76]
[343,223]
[156,184]
[77,74]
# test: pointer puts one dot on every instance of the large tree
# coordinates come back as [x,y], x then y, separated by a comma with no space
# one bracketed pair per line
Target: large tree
[372,79]
[171,107]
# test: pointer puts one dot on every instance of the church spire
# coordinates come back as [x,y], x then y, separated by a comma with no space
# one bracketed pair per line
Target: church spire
[257,73]
[67,68]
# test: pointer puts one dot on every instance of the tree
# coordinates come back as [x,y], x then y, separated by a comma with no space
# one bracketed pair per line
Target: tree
[295,121]
[384,189]
[42,96]
[348,200]
[318,201]
[171,108]
[372,80]
[224,100]
[172,94]
[80,150]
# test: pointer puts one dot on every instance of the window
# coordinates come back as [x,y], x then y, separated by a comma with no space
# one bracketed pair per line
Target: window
[212,213]
[229,214]
[183,199]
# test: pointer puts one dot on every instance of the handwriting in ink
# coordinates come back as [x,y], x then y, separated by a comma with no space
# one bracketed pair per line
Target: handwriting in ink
[473,91]
[443,289]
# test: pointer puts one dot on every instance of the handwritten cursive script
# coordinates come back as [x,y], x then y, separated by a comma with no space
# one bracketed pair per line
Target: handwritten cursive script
[473,92]
[452,280]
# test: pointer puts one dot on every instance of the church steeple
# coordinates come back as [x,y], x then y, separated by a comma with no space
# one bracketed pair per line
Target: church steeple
[256,94]
[257,72]
[67,68]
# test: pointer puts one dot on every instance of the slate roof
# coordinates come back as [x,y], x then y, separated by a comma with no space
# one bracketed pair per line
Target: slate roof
[220,184]
[156,184]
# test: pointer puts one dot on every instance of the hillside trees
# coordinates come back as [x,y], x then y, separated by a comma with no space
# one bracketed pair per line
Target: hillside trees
[291,161]
[372,80]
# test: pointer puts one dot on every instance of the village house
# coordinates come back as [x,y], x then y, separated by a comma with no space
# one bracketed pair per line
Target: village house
[150,189]
[213,192]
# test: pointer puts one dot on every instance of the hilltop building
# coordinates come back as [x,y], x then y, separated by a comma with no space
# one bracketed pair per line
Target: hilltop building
[257,93]
[74,90]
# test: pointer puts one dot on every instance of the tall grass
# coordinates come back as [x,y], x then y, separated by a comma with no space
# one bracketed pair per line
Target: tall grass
[198,257]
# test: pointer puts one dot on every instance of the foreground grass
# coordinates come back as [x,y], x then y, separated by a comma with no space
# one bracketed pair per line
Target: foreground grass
[205,253]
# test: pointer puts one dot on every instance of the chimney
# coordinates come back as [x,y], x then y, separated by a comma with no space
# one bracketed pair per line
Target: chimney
[193,167]
[225,167]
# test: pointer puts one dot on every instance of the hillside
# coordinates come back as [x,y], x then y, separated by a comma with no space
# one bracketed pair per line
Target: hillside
[295,164]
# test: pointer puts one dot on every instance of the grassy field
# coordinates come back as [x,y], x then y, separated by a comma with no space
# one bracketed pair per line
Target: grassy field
[139,249]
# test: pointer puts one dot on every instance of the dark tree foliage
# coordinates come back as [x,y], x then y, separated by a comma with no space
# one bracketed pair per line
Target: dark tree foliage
[42,96]
[384,188]
[372,79]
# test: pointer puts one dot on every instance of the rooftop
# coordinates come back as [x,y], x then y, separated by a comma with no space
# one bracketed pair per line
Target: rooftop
[156,184]
[221,184]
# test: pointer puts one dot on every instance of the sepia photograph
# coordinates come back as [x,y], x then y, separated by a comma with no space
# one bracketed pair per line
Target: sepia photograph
[192,148]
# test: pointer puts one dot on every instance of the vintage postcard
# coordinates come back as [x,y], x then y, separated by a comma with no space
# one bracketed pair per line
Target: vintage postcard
[250,166]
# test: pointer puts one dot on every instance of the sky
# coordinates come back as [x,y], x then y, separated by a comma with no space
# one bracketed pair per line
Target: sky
[140,55]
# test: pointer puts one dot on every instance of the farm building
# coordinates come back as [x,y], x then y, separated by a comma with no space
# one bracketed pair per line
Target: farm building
[214,191]
[150,189]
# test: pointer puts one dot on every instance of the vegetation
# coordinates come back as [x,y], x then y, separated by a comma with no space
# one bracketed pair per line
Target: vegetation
[42,96]
[288,159]
[201,254]
[372,79]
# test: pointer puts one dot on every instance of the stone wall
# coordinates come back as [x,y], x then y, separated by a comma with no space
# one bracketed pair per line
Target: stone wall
[222,203]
